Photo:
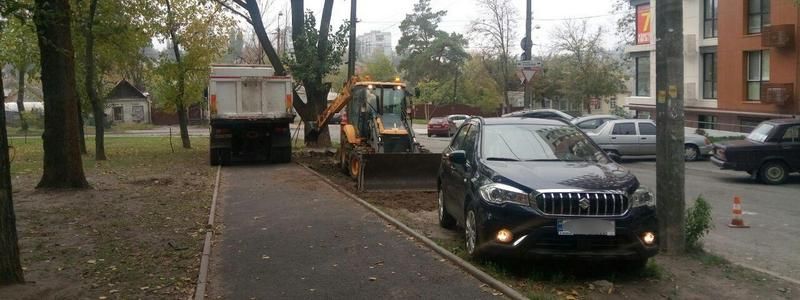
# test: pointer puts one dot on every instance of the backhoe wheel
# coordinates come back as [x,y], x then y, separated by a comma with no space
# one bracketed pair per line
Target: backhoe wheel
[355,165]
[344,164]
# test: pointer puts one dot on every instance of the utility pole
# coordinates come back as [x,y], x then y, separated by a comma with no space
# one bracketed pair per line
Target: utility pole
[279,33]
[670,193]
[351,59]
[527,44]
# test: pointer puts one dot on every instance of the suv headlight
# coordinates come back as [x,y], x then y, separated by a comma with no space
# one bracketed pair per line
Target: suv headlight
[643,197]
[499,193]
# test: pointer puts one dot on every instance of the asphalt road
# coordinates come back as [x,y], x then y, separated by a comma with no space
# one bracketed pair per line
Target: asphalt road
[288,235]
[773,212]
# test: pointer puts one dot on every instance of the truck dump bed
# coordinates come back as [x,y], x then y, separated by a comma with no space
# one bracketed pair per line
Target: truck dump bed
[249,92]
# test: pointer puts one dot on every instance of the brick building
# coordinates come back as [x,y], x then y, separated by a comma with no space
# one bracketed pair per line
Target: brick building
[740,62]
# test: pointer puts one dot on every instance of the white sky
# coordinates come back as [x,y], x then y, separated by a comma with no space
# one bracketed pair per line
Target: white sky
[386,15]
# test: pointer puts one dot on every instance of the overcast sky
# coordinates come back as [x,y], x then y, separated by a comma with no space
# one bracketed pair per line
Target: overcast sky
[386,15]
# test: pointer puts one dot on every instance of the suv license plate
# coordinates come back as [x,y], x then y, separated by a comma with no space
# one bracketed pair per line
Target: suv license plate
[586,227]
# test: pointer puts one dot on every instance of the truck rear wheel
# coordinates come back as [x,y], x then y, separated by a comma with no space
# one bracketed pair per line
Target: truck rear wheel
[355,165]
[213,158]
[281,155]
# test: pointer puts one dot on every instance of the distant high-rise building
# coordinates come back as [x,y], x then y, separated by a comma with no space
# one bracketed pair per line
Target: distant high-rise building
[374,42]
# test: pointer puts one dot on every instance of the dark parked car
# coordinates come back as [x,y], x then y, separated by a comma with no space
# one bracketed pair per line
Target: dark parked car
[769,153]
[441,126]
[547,113]
[541,188]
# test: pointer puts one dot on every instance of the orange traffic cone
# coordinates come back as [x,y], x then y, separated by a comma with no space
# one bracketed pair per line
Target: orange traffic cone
[737,221]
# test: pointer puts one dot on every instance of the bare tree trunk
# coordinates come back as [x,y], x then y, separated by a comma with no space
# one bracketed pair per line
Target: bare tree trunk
[81,133]
[180,107]
[91,72]
[183,123]
[10,266]
[21,97]
[63,166]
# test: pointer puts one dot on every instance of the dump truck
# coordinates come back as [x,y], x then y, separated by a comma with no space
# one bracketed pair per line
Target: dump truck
[378,146]
[250,113]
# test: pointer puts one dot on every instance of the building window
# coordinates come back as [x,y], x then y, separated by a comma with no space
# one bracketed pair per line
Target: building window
[710,18]
[117,114]
[757,73]
[707,122]
[748,124]
[642,75]
[612,102]
[710,75]
[757,15]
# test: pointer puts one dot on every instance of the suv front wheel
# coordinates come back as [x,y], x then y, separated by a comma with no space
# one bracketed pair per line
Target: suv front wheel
[445,219]
[471,233]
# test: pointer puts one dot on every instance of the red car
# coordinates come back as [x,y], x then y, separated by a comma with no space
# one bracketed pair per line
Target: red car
[441,126]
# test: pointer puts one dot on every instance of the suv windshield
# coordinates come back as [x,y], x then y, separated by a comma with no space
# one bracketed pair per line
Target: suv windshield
[761,133]
[527,142]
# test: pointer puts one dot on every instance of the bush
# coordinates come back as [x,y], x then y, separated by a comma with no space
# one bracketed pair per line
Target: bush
[698,223]
[33,118]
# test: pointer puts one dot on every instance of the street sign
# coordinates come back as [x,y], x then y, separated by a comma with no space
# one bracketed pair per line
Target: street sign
[529,74]
[525,43]
[529,68]
[520,75]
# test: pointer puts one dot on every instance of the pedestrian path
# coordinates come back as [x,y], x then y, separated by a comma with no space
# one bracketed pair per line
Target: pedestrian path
[288,235]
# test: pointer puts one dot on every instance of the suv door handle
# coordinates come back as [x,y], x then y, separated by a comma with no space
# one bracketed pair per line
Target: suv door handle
[613,138]
[644,138]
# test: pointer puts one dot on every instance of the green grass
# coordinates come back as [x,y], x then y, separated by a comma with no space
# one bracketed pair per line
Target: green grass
[122,152]
[420,121]
[122,127]
[708,259]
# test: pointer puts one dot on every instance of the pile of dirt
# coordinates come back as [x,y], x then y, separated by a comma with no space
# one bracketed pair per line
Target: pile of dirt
[326,165]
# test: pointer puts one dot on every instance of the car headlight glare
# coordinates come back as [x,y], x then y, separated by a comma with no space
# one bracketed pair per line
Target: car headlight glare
[643,197]
[499,193]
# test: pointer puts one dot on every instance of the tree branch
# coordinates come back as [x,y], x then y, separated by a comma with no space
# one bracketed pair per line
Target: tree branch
[235,11]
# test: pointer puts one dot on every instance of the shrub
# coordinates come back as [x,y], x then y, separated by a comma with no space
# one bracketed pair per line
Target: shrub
[34,118]
[698,223]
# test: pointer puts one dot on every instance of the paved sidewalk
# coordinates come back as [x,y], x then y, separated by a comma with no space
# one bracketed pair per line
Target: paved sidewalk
[288,235]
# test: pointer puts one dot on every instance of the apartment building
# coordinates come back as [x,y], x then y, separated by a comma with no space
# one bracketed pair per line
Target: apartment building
[374,42]
[740,62]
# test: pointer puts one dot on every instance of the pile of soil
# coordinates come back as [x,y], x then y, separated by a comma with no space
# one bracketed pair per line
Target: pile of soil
[327,165]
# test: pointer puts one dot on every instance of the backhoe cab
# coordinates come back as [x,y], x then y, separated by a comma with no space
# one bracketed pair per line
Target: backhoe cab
[378,146]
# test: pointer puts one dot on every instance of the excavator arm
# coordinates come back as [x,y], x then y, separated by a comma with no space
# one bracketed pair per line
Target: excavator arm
[338,104]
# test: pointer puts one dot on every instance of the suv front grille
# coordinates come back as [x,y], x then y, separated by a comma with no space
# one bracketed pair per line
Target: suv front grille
[582,204]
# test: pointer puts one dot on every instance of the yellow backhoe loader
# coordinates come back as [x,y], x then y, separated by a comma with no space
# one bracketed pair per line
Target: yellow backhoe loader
[378,147]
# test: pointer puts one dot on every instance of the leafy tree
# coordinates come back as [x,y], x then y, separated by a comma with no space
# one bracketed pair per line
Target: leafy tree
[496,29]
[108,37]
[235,46]
[63,165]
[591,71]
[19,32]
[10,265]
[197,32]
[380,68]
[427,52]
[478,88]
[625,21]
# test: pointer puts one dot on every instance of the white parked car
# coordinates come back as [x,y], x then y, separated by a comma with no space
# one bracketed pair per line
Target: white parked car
[637,137]
[458,119]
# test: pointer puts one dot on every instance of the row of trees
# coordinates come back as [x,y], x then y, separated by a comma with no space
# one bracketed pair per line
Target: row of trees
[81,48]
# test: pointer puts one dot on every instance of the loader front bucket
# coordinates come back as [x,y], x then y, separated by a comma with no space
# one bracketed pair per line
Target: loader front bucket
[399,172]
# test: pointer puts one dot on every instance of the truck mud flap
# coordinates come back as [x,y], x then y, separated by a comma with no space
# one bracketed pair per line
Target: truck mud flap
[398,172]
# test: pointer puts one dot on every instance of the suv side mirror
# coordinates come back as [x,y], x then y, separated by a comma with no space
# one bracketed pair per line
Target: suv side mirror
[458,157]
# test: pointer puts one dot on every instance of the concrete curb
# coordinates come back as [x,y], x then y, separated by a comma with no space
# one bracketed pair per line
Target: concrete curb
[202,278]
[464,265]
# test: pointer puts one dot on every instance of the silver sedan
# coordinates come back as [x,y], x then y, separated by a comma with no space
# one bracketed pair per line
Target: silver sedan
[636,137]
